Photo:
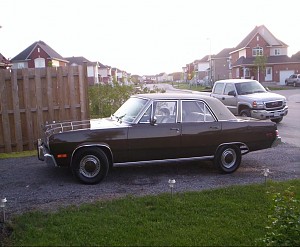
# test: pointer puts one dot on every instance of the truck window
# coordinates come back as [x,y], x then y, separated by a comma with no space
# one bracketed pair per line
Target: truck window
[228,88]
[218,89]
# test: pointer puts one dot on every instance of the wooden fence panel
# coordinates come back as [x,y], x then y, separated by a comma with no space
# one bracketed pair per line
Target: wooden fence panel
[31,97]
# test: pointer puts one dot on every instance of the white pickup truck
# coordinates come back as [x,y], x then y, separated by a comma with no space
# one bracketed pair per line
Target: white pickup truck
[249,98]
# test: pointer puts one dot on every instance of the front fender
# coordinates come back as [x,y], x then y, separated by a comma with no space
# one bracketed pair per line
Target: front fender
[104,146]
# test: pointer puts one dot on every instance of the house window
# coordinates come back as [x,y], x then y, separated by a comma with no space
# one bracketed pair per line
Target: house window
[277,52]
[257,51]
[246,72]
[39,63]
[237,73]
[21,65]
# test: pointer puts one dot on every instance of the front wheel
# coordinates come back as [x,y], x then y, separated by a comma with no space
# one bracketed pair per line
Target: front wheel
[228,158]
[245,113]
[90,165]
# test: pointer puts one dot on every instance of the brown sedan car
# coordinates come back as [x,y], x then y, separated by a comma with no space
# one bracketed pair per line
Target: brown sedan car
[155,128]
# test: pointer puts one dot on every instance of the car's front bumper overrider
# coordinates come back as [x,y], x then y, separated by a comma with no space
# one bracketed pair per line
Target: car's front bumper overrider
[44,155]
[263,114]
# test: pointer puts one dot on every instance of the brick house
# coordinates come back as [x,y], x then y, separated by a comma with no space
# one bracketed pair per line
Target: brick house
[261,42]
[38,55]
[4,63]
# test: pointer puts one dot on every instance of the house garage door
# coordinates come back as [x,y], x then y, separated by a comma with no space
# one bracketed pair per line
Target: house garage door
[283,74]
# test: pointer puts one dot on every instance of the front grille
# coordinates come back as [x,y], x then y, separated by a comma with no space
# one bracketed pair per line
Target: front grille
[274,104]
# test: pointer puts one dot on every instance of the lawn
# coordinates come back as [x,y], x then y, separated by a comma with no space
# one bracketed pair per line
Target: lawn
[233,216]
[18,154]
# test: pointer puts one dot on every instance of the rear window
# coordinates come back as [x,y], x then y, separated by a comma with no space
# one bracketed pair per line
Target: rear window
[218,89]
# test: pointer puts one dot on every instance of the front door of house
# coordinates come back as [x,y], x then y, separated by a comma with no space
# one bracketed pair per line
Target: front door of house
[268,76]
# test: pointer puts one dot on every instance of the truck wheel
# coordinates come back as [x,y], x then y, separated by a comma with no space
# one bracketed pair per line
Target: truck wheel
[277,120]
[90,165]
[245,113]
[228,158]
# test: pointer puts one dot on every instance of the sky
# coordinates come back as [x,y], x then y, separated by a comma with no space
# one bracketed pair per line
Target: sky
[144,37]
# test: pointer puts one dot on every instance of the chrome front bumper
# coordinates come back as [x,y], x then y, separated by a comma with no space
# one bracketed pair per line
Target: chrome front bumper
[44,155]
[263,114]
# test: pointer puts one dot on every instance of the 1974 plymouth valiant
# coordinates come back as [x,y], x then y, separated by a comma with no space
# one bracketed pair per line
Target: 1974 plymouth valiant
[155,128]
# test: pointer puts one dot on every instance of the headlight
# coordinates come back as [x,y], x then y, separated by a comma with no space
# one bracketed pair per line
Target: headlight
[284,102]
[258,104]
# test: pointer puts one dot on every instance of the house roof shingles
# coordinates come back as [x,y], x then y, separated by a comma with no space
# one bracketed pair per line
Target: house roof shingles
[25,54]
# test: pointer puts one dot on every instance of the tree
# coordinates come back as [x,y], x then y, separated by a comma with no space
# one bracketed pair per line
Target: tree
[260,63]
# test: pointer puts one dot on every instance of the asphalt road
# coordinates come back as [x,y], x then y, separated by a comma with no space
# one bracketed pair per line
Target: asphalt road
[289,128]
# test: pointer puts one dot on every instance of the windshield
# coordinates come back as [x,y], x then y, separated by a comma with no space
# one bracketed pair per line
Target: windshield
[249,87]
[130,109]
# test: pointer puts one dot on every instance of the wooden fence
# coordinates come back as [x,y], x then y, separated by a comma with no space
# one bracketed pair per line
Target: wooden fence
[31,97]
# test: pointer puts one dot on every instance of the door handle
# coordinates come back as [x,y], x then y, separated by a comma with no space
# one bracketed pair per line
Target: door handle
[214,127]
[177,129]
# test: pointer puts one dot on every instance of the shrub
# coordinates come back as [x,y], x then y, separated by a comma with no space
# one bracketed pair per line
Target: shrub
[284,221]
[105,99]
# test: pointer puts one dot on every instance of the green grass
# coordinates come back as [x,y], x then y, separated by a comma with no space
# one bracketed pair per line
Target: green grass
[188,86]
[18,154]
[234,216]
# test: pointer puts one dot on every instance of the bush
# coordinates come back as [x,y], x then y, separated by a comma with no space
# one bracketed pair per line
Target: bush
[105,99]
[284,221]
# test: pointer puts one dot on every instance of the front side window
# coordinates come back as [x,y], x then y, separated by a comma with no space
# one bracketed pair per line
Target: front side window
[229,88]
[195,111]
[165,111]
[257,51]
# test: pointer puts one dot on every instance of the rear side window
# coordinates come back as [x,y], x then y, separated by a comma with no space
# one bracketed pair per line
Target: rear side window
[195,111]
[218,89]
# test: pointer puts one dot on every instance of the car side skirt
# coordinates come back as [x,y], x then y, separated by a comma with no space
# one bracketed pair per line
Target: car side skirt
[147,162]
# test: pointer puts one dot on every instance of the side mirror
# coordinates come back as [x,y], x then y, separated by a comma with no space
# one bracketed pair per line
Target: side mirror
[232,93]
[153,120]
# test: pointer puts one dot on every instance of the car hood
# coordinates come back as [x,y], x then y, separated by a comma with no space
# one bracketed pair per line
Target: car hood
[104,123]
[68,126]
[267,96]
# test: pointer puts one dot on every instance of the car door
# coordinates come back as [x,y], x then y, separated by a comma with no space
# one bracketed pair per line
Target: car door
[229,98]
[157,135]
[199,130]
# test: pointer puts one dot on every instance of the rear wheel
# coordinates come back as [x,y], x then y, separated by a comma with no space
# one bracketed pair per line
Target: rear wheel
[228,158]
[90,165]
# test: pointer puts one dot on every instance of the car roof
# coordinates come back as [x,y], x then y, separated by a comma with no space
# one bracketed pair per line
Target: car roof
[170,96]
[235,80]
[220,110]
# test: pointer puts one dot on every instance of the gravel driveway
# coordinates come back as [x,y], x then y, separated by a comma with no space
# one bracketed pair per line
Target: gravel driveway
[30,184]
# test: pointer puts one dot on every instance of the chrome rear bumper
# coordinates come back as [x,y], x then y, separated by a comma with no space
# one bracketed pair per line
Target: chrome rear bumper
[276,142]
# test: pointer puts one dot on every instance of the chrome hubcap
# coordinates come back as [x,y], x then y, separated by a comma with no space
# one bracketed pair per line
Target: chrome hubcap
[89,166]
[228,158]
